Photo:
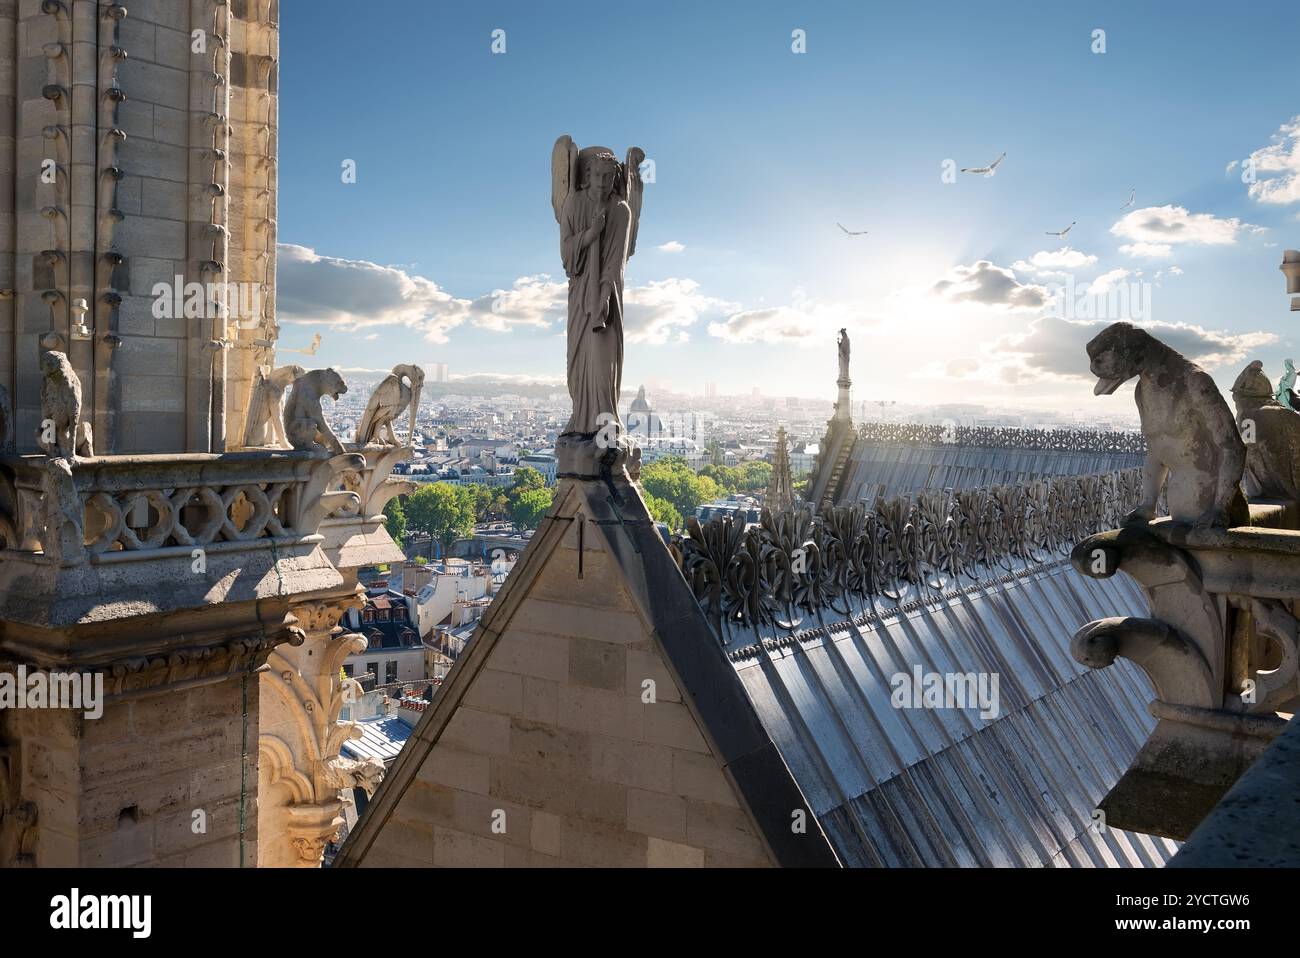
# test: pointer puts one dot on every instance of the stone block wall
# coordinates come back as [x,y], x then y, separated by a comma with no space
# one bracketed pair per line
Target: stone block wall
[553,758]
[159,119]
[123,789]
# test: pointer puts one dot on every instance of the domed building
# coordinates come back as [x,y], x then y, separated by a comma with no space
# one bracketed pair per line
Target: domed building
[641,419]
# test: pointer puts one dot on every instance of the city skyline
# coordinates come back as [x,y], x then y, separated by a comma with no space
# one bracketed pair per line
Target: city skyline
[444,250]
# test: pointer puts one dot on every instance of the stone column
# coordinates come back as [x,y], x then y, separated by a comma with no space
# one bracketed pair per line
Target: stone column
[301,773]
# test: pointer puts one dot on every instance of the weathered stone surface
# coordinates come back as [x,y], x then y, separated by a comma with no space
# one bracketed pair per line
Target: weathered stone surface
[1192,438]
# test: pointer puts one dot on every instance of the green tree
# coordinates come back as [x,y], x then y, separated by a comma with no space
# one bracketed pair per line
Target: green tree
[664,512]
[525,478]
[530,506]
[728,477]
[483,498]
[755,475]
[441,510]
[671,480]
[395,520]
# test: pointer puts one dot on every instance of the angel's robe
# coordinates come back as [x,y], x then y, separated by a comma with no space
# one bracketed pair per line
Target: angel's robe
[595,355]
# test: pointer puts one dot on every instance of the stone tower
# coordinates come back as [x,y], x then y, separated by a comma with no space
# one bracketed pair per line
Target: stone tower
[138,205]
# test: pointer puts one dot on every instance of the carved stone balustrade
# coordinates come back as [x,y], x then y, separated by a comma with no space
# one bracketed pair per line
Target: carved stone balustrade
[117,538]
[1220,648]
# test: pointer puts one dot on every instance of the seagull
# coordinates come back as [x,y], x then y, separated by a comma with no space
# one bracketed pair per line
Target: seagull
[989,170]
[851,232]
[1062,232]
[1132,198]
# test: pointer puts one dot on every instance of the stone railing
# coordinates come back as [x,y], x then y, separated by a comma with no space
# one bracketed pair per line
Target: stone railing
[997,437]
[73,510]
[794,570]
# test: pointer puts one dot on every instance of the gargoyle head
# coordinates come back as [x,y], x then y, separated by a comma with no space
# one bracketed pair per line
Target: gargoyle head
[1253,384]
[1117,354]
[330,382]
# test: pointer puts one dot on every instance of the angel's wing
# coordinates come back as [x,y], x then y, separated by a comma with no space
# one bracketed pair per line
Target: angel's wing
[635,188]
[564,172]
[255,427]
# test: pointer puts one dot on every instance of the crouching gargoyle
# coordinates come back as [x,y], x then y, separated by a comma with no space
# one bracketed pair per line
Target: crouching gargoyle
[1194,452]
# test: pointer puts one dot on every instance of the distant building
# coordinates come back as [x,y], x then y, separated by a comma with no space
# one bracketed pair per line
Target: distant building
[641,420]
[394,652]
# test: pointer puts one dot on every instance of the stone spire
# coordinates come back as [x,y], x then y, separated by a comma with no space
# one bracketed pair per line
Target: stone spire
[780,489]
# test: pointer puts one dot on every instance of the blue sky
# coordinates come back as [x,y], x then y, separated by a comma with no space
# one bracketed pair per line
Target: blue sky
[759,151]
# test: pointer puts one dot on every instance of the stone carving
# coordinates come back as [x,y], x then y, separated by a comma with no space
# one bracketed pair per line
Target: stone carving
[265,417]
[1286,393]
[68,508]
[842,341]
[304,422]
[1192,440]
[1004,437]
[61,433]
[597,203]
[1220,648]
[769,579]
[1272,434]
[390,399]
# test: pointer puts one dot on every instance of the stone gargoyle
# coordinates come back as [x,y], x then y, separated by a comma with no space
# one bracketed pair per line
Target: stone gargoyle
[61,433]
[304,422]
[1194,452]
[265,423]
[1272,435]
[391,398]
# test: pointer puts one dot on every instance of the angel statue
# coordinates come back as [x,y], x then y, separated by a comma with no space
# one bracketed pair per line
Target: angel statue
[1286,388]
[597,202]
[391,398]
[843,342]
[264,424]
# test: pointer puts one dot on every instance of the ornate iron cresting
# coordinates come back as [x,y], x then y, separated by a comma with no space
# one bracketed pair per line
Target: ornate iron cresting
[996,437]
[795,570]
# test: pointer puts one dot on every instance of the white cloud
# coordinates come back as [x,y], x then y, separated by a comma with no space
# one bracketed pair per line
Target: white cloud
[805,322]
[531,301]
[662,310]
[1148,250]
[1055,261]
[990,285]
[1277,167]
[1156,229]
[356,294]
[672,246]
[1107,281]
[1053,347]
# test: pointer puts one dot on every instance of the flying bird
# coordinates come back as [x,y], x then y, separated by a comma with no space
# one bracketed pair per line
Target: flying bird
[851,232]
[1132,198]
[989,170]
[1062,232]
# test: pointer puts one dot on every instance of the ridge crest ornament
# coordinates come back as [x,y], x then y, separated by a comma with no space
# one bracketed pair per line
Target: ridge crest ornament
[597,205]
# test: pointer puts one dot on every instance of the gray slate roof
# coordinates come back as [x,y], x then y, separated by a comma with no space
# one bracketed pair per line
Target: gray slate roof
[900,787]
